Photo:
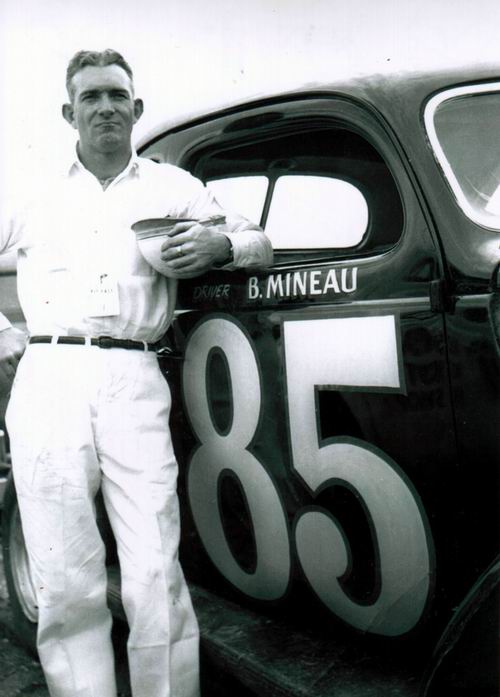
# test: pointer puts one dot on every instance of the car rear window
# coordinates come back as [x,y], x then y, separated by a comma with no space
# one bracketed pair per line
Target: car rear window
[462,124]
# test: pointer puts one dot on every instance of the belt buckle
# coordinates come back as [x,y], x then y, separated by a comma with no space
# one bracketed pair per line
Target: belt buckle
[105,342]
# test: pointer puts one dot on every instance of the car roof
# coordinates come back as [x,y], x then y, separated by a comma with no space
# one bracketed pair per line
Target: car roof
[394,94]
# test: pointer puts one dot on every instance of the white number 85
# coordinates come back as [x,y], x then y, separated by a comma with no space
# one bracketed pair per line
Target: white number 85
[353,352]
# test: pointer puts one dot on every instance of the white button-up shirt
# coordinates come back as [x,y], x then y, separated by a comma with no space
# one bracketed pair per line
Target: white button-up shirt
[73,231]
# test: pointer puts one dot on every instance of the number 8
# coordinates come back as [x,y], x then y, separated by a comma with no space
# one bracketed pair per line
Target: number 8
[219,452]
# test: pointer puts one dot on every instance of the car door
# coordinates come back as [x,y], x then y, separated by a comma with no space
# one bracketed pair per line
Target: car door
[316,439]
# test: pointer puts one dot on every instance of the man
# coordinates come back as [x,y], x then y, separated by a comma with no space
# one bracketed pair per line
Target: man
[86,413]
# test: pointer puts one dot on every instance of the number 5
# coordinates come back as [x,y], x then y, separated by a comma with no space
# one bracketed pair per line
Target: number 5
[354,353]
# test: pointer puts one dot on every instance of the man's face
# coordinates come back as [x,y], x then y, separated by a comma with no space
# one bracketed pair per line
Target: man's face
[103,109]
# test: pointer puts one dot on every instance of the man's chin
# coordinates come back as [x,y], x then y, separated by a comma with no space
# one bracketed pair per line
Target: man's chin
[109,142]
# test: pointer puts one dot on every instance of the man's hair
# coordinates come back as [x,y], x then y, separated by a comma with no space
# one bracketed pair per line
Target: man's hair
[83,59]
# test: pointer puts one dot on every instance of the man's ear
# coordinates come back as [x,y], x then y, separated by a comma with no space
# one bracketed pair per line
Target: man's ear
[138,109]
[69,114]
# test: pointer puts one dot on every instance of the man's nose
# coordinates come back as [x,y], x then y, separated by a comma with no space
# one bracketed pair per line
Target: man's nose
[106,105]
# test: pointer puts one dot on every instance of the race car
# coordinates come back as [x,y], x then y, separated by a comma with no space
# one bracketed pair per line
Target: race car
[336,416]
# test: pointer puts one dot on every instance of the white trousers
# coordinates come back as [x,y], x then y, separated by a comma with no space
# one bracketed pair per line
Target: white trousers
[80,418]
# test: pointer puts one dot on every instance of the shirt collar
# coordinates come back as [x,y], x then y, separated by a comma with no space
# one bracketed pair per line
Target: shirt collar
[74,165]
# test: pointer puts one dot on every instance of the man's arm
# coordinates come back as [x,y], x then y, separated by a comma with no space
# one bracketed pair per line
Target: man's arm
[12,341]
[192,249]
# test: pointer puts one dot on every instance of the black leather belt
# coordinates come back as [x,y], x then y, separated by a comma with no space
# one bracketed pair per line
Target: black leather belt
[104,342]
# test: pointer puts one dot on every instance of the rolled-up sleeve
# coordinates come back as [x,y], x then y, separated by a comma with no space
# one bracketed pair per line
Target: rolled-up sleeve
[251,246]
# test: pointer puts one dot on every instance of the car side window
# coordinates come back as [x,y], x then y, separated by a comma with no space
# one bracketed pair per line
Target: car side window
[326,191]
[333,212]
[317,183]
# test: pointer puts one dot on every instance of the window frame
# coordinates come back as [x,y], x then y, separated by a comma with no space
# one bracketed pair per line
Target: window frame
[186,146]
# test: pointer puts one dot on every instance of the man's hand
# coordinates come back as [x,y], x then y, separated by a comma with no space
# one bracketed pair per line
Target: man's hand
[12,345]
[192,249]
